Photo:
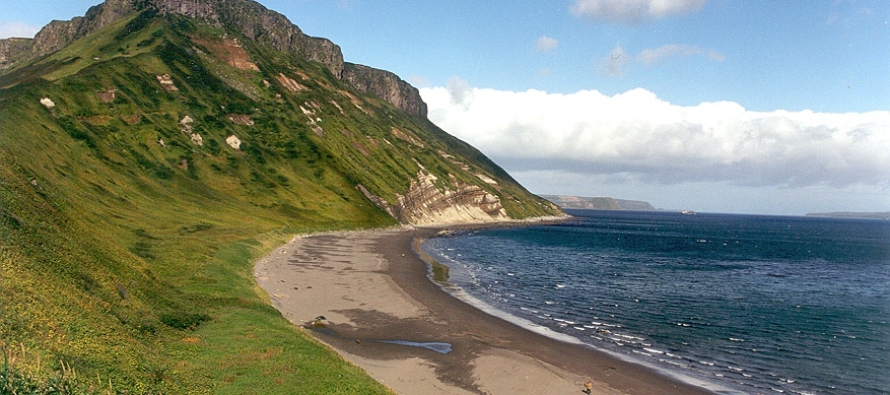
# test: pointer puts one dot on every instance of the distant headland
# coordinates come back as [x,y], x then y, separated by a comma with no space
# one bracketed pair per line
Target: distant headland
[598,203]
[852,214]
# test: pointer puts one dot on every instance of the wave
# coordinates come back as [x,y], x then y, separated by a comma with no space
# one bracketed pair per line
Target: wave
[757,313]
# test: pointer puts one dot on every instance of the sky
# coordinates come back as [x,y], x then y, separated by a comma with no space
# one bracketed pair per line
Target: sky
[737,106]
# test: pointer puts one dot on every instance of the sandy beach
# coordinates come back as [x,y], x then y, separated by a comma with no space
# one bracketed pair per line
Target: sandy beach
[382,313]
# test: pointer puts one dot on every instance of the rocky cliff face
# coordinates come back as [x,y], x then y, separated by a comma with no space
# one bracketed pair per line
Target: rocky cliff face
[424,203]
[58,34]
[385,85]
[258,23]
[14,48]
[250,18]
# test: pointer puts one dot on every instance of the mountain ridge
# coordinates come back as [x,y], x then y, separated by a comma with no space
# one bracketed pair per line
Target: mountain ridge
[145,167]
[253,19]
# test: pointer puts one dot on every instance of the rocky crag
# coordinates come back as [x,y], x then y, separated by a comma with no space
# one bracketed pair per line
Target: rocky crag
[151,150]
[451,201]
[426,204]
[387,86]
[252,19]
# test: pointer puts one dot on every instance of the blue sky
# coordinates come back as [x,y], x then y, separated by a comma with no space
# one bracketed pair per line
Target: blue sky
[776,107]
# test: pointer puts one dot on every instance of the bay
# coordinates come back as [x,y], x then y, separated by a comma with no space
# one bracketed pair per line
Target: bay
[756,304]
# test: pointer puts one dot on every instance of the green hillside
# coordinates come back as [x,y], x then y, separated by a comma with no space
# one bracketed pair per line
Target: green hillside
[129,224]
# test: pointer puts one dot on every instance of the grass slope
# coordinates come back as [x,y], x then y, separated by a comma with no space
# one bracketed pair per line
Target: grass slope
[126,247]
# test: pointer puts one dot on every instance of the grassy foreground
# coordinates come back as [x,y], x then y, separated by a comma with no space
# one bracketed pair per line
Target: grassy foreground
[244,348]
[129,224]
[160,299]
[126,264]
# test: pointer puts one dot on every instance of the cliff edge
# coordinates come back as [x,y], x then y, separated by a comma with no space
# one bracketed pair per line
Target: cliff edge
[252,19]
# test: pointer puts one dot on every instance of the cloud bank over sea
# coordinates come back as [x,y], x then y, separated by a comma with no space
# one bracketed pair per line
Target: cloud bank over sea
[637,136]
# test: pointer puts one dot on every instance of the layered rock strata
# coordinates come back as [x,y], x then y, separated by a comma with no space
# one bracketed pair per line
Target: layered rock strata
[424,203]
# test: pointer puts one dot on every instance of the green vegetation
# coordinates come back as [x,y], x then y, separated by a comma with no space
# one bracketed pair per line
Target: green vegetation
[128,234]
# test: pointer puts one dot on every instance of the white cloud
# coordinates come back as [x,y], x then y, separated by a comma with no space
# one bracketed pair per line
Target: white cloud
[545,44]
[17,29]
[637,136]
[633,11]
[458,90]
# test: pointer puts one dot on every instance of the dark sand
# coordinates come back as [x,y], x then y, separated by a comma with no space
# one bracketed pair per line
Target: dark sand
[373,287]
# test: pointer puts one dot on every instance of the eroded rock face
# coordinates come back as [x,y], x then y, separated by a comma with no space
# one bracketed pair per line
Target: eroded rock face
[58,34]
[251,18]
[426,204]
[13,49]
[290,84]
[256,22]
[167,82]
[386,86]
[241,119]
[107,96]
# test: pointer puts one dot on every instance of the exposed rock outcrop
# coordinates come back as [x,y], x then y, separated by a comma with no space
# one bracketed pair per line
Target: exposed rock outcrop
[240,119]
[107,96]
[58,34]
[13,49]
[47,102]
[234,142]
[290,84]
[257,23]
[387,86]
[252,19]
[424,203]
[167,82]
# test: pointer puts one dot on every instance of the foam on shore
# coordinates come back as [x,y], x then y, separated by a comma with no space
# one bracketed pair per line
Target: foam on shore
[379,305]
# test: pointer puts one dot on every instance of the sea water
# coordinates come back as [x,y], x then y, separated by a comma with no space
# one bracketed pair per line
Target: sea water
[753,304]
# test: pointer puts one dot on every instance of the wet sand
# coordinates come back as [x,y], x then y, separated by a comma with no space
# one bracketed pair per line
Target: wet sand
[381,310]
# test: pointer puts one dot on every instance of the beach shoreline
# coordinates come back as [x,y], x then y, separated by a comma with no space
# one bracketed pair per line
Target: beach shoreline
[382,312]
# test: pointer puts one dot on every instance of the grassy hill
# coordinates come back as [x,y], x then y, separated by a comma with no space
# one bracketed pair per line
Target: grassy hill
[130,217]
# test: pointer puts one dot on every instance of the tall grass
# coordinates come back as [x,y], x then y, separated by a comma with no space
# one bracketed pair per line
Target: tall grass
[21,375]
[126,248]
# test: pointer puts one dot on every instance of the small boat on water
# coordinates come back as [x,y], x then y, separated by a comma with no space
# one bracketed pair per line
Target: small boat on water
[687,212]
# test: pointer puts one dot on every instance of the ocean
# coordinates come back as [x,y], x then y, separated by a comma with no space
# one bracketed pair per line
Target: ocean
[752,304]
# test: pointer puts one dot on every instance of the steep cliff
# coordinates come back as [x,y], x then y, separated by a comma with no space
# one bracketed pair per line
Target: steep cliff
[252,19]
[257,23]
[13,49]
[425,203]
[59,34]
[387,86]
[146,164]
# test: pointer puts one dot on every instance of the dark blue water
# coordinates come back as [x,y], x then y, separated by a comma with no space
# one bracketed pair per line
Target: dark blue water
[756,304]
